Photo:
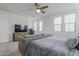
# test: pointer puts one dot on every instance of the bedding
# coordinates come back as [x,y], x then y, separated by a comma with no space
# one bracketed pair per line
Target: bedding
[24,42]
[72,43]
[45,46]
[49,46]
[77,47]
[74,52]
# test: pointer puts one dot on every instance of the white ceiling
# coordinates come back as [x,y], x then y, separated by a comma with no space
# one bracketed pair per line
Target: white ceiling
[29,8]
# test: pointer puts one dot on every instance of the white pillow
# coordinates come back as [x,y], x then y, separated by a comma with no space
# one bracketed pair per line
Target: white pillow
[71,43]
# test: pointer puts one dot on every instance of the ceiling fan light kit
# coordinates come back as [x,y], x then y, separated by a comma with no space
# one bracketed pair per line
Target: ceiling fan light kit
[38,10]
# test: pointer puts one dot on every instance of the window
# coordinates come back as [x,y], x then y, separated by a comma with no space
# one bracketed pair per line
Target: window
[57,23]
[40,25]
[35,26]
[69,23]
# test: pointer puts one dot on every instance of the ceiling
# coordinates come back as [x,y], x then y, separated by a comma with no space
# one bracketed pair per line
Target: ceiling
[29,8]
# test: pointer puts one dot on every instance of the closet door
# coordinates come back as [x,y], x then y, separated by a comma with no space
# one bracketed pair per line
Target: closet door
[4,28]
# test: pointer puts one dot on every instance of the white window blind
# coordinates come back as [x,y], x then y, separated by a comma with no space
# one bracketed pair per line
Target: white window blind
[40,25]
[69,21]
[35,26]
[57,23]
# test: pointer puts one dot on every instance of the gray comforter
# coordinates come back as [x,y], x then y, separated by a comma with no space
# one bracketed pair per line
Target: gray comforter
[45,46]
[26,41]
[49,46]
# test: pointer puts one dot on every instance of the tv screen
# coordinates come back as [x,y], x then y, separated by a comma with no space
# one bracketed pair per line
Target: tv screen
[17,28]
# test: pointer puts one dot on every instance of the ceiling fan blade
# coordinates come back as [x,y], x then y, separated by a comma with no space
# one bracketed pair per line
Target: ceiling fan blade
[37,5]
[44,7]
[42,11]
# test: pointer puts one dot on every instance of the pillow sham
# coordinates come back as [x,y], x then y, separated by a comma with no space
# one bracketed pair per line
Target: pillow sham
[77,47]
[72,43]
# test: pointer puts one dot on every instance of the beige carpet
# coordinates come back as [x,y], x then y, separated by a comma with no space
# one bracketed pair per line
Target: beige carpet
[9,49]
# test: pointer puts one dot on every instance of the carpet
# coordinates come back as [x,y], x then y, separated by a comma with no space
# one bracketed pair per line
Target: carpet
[9,49]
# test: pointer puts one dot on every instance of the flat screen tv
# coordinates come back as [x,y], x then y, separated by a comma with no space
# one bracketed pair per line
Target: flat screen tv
[17,28]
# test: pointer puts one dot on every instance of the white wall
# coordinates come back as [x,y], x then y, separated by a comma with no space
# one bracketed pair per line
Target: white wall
[16,19]
[48,26]
[4,27]
[30,22]
[7,21]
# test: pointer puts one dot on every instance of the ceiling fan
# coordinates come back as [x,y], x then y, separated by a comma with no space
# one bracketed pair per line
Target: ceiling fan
[40,9]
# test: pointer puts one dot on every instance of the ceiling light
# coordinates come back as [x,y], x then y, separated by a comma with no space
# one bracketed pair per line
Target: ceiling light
[38,10]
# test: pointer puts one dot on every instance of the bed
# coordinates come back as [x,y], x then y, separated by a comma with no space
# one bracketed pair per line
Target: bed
[45,46]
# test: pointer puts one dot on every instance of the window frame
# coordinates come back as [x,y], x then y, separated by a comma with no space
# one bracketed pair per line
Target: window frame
[35,26]
[70,23]
[40,25]
[58,24]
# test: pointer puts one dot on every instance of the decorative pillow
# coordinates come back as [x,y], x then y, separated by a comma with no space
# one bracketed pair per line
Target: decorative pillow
[77,47]
[72,43]
[78,36]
